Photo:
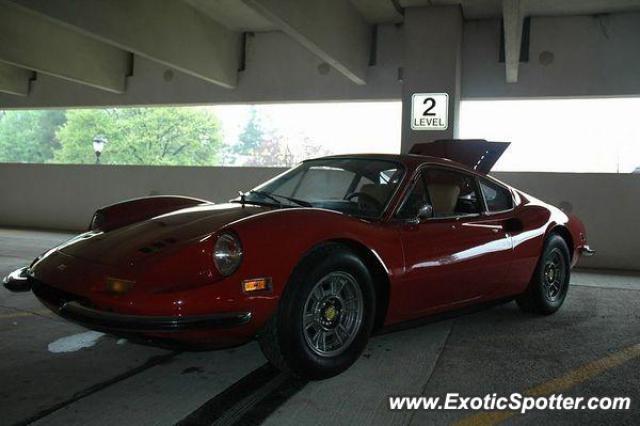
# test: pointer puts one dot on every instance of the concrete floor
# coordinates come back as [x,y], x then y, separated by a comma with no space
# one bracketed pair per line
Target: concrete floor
[49,378]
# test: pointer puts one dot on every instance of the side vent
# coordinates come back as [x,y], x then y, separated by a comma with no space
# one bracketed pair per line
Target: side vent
[158,245]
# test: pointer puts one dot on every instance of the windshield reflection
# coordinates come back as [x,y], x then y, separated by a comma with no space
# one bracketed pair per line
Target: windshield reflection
[359,187]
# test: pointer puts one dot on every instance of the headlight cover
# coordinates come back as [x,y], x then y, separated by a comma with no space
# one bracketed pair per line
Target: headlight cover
[227,253]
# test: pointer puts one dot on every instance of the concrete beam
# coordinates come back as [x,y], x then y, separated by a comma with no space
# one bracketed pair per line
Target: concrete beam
[14,80]
[331,29]
[30,41]
[170,32]
[512,18]
[432,64]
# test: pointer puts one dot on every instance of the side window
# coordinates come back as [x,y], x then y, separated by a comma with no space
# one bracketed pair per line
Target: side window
[387,176]
[417,198]
[497,197]
[451,193]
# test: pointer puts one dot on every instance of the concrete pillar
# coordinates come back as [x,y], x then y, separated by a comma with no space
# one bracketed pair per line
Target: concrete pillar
[432,64]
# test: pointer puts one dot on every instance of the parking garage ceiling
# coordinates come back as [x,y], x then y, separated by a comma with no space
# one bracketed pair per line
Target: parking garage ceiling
[94,43]
[238,16]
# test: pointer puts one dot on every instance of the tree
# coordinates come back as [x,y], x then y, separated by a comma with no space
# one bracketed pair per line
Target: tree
[272,152]
[157,136]
[29,136]
[251,136]
[312,149]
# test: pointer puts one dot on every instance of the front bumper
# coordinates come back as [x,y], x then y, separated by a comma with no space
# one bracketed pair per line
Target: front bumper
[587,251]
[102,320]
[17,281]
[80,311]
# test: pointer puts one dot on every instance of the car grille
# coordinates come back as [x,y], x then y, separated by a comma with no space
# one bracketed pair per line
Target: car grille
[54,296]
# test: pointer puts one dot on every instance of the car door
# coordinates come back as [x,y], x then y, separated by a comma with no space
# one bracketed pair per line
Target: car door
[457,256]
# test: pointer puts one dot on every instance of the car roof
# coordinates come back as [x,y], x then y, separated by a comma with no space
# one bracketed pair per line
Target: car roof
[411,161]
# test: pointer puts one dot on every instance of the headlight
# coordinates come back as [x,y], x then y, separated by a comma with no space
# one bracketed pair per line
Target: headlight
[227,254]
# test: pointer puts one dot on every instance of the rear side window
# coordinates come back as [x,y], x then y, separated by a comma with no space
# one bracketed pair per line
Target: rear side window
[497,197]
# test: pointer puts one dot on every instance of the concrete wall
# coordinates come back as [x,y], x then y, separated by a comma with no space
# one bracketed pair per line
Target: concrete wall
[607,203]
[65,197]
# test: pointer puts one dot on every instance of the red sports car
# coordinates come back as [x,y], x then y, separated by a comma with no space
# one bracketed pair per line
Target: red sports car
[313,261]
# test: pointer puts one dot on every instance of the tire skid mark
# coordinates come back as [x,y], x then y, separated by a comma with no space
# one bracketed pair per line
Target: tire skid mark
[247,402]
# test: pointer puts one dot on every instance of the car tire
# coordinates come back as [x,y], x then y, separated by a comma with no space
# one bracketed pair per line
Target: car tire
[550,282]
[325,315]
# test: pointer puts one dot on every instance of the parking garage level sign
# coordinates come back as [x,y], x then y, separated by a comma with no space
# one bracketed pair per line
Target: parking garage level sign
[430,111]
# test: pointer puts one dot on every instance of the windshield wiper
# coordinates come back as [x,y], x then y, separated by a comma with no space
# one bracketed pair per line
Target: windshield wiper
[272,196]
[266,195]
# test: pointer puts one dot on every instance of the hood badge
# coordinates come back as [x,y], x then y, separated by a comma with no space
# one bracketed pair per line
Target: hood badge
[61,267]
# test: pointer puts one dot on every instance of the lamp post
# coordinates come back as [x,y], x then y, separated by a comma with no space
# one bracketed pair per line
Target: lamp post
[98,146]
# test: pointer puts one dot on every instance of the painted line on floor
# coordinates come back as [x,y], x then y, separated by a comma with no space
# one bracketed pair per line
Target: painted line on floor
[150,363]
[21,314]
[561,384]
[249,401]
[630,286]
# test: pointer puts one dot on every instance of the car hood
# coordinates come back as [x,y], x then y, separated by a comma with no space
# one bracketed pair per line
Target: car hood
[162,234]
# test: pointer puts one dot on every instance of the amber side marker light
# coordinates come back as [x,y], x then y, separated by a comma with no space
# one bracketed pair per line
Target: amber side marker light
[256,284]
[118,287]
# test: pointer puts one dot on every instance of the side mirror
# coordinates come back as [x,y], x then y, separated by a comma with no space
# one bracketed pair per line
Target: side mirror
[424,212]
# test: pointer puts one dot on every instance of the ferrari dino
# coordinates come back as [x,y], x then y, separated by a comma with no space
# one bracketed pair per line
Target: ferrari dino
[313,261]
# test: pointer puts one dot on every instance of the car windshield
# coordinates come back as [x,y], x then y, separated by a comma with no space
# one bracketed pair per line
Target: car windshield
[355,186]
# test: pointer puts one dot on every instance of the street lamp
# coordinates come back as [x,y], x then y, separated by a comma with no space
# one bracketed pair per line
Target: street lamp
[98,146]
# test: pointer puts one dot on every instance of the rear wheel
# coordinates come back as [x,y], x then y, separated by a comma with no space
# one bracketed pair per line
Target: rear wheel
[325,315]
[550,282]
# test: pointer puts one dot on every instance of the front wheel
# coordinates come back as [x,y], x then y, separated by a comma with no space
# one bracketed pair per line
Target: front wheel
[325,315]
[550,282]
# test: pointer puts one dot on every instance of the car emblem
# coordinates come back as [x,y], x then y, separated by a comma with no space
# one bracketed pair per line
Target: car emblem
[61,267]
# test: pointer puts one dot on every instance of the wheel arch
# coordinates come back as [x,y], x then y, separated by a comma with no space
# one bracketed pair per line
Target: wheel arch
[565,234]
[379,274]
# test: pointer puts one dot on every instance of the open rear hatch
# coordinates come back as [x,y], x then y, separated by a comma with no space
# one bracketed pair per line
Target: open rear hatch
[479,154]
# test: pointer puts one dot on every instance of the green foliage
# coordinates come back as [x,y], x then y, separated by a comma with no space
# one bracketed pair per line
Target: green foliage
[144,136]
[29,136]
[251,137]
[157,136]
[271,152]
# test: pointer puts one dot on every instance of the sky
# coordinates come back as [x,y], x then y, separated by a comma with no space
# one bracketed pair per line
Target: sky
[341,127]
[559,135]
[554,135]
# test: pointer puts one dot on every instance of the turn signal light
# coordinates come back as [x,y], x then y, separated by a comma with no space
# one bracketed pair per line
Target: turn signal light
[118,287]
[256,284]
